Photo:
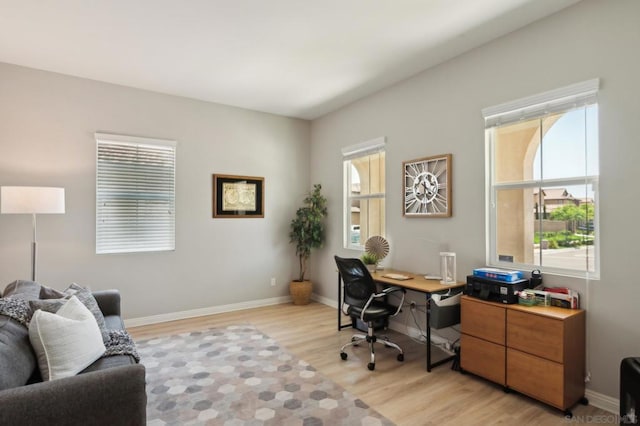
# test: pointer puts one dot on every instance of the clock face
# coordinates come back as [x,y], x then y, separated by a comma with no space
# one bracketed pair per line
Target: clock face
[427,187]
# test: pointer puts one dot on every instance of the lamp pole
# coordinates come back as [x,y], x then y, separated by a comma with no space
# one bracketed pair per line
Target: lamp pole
[34,249]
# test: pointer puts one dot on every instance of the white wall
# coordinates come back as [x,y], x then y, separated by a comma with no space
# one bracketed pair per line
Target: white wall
[438,111]
[47,122]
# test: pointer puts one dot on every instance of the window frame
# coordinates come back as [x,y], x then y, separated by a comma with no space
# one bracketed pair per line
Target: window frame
[102,239]
[580,95]
[361,150]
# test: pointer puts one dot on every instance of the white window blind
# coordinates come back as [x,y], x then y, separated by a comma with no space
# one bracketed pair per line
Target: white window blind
[558,100]
[135,194]
[369,147]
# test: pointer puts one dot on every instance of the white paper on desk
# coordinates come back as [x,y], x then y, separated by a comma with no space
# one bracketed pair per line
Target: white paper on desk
[447,300]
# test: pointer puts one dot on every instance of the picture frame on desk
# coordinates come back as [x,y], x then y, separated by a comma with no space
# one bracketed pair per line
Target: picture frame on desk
[238,196]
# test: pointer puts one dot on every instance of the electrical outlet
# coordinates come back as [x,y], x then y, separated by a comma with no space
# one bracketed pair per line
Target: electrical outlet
[273,282]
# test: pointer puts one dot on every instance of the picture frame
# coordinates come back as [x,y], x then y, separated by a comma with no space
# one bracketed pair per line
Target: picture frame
[238,196]
[426,186]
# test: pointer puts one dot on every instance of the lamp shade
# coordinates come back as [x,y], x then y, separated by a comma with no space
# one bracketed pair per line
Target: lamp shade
[31,200]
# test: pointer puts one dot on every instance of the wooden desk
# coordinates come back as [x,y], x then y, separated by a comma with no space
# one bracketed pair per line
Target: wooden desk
[418,283]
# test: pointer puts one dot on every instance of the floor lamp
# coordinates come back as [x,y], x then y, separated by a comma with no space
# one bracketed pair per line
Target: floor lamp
[31,200]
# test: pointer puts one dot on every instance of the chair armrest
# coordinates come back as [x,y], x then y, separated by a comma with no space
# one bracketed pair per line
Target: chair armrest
[108,301]
[389,290]
[113,396]
[384,293]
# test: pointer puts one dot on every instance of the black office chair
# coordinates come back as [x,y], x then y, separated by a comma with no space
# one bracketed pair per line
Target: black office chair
[361,300]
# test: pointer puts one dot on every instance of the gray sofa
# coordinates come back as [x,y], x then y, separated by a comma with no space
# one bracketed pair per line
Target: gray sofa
[111,391]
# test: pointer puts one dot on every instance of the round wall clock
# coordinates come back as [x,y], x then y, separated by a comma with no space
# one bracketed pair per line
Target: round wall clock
[427,187]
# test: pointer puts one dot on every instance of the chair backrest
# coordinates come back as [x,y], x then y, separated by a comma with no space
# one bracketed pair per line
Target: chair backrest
[358,283]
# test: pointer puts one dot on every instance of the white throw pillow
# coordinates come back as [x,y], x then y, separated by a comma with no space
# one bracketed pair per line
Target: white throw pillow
[66,342]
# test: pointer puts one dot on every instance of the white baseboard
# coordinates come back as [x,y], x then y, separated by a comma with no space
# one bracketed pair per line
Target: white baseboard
[604,402]
[173,316]
[324,300]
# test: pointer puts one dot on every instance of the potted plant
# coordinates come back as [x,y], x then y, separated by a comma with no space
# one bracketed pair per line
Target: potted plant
[307,232]
[370,260]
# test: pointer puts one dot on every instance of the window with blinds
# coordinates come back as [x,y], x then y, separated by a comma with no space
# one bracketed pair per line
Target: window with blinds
[135,194]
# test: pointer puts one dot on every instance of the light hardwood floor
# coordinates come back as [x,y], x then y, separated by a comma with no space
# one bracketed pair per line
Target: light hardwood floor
[403,392]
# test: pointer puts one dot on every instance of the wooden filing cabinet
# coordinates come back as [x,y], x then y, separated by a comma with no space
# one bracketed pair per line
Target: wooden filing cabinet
[538,351]
[482,343]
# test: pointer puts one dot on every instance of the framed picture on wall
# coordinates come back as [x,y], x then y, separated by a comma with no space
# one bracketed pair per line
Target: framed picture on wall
[238,196]
[427,187]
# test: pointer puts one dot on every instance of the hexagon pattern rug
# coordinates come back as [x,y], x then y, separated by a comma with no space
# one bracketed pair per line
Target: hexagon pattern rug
[240,376]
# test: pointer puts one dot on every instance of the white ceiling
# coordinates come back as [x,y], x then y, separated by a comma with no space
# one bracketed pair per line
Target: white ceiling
[299,58]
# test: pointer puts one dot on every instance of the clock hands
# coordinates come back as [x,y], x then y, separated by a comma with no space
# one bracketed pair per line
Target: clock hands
[425,187]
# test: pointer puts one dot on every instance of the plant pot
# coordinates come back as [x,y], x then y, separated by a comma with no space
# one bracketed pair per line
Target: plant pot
[300,292]
[371,268]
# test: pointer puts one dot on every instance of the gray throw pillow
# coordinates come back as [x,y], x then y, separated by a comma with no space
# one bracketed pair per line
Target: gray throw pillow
[47,305]
[83,294]
[50,293]
[23,289]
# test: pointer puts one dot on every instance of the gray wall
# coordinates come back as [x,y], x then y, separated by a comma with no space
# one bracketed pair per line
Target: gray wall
[438,111]
[47,123]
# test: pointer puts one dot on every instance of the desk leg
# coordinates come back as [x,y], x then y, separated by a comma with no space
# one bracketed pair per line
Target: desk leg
[430,365]
[339,302]
[428,332]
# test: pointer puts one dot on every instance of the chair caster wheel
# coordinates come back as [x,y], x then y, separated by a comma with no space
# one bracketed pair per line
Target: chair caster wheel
[400,357]
[343,355]
[371,366]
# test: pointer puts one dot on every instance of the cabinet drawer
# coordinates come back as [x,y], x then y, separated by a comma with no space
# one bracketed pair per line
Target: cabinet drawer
[483,320]
[536,335]
[537,377]
[483,358]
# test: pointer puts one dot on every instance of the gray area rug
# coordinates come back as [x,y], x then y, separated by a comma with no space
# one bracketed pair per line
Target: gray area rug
[240,376]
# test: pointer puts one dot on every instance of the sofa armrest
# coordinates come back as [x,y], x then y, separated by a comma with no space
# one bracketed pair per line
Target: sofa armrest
[114,396]
[108,301]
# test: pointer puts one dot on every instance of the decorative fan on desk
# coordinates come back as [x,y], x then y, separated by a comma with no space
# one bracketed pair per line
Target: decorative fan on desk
[377,246]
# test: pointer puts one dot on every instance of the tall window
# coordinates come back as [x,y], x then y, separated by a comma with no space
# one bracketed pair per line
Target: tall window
[135,194]
[542,169]
[364,192]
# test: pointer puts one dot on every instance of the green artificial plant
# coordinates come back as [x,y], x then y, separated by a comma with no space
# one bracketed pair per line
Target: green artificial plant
[307,228]
[369,258]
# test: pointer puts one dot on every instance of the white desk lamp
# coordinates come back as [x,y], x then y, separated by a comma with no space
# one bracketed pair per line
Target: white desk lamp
[31,200]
